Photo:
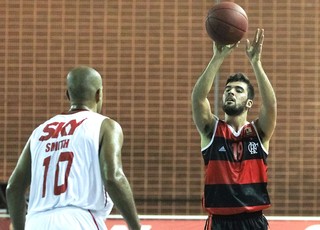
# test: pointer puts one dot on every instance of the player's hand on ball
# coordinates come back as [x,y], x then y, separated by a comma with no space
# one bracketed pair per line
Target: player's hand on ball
[223,50]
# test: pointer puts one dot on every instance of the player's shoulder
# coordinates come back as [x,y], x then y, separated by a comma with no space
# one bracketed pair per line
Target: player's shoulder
[44,123]
[110,129]
[110,125]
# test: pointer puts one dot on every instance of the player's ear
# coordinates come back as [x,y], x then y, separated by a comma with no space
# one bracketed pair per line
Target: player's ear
[249,103]
[98,95]
[68,96]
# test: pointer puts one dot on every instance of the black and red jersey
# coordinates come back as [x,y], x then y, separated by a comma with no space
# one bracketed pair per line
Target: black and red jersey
[235,171]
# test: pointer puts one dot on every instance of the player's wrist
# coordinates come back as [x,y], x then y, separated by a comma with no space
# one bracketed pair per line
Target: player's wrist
[256,63]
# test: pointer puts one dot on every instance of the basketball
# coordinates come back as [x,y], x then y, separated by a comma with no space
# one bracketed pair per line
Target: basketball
[226,23]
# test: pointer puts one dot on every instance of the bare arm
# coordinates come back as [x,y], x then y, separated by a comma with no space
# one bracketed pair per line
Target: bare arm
[113,176]
[201,110]
[18,183]
[268,112]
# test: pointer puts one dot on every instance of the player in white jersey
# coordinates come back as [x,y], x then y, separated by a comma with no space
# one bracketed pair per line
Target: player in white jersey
[72,163]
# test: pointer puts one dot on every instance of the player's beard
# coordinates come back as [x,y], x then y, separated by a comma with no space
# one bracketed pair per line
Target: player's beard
[234,110]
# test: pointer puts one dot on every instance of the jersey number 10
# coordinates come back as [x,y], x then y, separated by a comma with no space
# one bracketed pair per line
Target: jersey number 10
[58,189]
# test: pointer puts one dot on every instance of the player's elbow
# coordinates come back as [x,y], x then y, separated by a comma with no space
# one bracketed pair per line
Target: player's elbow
[9,190]
[13,190]
[115,178]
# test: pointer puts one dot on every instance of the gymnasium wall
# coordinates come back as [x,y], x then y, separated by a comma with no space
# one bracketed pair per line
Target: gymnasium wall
[150,54]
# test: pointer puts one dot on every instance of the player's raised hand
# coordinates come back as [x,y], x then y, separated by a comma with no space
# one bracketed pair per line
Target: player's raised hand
[254,48]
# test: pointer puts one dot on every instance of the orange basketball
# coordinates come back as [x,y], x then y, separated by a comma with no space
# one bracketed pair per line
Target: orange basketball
[226,23]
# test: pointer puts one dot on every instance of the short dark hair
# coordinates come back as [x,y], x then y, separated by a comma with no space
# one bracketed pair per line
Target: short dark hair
[243,78]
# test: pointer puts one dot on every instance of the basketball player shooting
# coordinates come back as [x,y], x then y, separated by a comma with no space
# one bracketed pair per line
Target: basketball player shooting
[235,150]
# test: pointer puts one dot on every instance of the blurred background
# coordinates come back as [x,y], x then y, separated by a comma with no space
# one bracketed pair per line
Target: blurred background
[150,54]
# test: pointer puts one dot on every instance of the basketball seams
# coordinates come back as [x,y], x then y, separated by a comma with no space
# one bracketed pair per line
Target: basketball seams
[224,22]
[238,11]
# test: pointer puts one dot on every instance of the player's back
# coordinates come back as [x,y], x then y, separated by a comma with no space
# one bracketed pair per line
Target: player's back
[65,164]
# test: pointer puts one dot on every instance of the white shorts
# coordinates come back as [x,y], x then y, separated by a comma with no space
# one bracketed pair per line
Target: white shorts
[65,219]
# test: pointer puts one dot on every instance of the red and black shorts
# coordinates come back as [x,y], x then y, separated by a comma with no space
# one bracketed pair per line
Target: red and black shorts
[243,221]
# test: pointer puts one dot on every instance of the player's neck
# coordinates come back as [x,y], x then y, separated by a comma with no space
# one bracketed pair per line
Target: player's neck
[236,122]
[76,107]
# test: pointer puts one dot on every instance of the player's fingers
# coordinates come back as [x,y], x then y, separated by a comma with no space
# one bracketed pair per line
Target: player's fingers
[256,37]
[247,44]
[261,38]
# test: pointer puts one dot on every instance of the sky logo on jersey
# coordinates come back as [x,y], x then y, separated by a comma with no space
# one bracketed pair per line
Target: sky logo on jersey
[56,129]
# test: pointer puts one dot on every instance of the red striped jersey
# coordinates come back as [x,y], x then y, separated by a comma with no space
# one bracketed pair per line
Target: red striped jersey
[235,171]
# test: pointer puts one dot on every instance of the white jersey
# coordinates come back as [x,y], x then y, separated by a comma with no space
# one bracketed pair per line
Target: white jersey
[65,165]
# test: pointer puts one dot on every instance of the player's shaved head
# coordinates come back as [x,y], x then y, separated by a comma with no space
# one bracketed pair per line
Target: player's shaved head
[83,83]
